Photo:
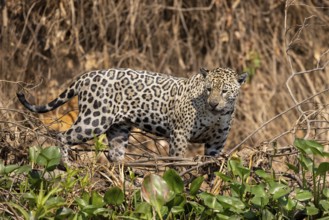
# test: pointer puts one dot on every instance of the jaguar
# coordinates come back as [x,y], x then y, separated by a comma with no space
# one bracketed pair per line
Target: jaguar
[198,109]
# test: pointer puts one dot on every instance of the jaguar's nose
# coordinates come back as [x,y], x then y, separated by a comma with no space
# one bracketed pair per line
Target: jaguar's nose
[213,105]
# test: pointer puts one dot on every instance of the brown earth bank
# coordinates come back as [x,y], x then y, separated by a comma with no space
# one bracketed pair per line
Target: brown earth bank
[282,44]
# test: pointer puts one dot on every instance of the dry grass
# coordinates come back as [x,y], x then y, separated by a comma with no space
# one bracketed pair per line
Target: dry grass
[284,46]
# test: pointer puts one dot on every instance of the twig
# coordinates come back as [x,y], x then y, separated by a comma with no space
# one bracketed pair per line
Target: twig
[272,119]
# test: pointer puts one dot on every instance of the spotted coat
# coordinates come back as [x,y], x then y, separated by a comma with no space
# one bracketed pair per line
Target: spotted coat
[198,110]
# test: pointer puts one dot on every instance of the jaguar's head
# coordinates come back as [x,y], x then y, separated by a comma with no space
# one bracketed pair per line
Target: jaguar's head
[222,86]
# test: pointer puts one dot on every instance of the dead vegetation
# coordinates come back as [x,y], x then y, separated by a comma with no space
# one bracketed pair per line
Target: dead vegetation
[282,44]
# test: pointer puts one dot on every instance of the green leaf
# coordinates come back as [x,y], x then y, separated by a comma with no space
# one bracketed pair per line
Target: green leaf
[54,202]
[29,196]
[293,167]
[86,198]
[178,200]
[174,181]
[164,211]
[49,157]
[195,185]
[267,214]
[98,211]
[81,202]
[24,169]
[264,175]
[114,196]
[288,203]
[281,192]
[326,192]
[211,201]
[278,190]
[20,209]
[9,168]
[300,145]
[196,207]
[156,191]
[224,177]
[324,204]
[250,214]
[311,210]
[303,195]
[34,153]
[237,169]
[322,169]
[97,200]
[231,202]
[238,189]
[325,154]
[260,201]
[275,186]
[315,147]
[143,208]
[90,209]
[309,147]
[258,190]
[221,216]
[177,210]
[63,213]
[306,162]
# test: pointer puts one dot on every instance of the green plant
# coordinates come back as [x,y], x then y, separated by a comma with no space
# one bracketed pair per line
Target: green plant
[315,197]
[38,192]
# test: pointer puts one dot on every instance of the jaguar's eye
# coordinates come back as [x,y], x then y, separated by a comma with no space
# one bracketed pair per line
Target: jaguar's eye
[224,91]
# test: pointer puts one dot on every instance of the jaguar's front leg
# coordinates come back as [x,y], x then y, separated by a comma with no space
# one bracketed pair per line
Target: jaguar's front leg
[65,161]
[178,144]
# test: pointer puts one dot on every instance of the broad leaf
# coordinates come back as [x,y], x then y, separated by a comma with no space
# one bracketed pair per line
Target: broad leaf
[278,190]
[224,177]
[311,210]
[258,190]
[9,168]
[63,213]
[196,207]
[290,204]
[195,185]
[49,157]
[303,195]
[309,147]
[174,181]
[260,201]
[228,202]
[237,169]
[324,204]
[143,208]
[264,175]
[177,210]
[322,169]
[306,162]
[211,202]
[293,167]
[97,200]
[114,196]
[326,192]
[156,191]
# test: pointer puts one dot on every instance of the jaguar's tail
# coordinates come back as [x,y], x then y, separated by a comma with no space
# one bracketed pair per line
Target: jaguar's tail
[65,96]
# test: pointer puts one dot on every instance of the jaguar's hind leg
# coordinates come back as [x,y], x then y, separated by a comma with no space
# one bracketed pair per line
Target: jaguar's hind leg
[117,136]
[82,131]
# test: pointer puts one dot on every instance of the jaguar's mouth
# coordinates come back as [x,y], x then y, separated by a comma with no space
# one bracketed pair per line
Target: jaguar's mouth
[216,110]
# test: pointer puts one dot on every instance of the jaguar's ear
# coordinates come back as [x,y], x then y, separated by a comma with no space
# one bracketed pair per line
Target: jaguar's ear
[242,78]
[204,72]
